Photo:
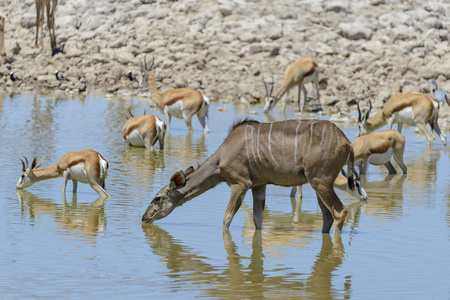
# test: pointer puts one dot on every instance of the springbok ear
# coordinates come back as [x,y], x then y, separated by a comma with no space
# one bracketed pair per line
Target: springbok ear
[40,162]
[177,181]
[344,173]
[33,165]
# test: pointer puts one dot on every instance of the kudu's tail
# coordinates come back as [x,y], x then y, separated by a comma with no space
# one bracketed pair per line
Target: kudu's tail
[351,169]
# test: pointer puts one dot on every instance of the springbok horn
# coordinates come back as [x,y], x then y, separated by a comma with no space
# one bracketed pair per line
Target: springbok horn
[359,112]
[271,87]
[265,86]
[129,110]
[26,161]
[23,166]
[153,62]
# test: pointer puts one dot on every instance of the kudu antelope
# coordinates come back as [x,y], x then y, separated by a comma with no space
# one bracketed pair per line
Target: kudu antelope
[51,10]
[180,103]
[341,182]
[144,131]
[410,109]
[300,72]
[87,166]
[377,148]
[254,154]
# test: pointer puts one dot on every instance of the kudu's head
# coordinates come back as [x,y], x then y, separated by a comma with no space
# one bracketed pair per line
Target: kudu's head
[146,70]
[359,191]
[269,99]
[27,178]
[362,119]
[167,198]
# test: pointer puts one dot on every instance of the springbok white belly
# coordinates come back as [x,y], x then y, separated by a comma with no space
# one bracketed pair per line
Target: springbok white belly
[135,139]
[380,158]
[176,109]
[404,116]
[78,173]
[309,78]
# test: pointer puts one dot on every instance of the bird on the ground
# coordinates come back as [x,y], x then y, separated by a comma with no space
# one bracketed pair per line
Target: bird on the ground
[60,77]
[13,77]
[131,76]
[440,94]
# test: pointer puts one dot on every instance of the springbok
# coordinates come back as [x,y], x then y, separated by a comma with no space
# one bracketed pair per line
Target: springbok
[300,72]
[51,10]
[341,183]
[377,148]
[286,153]
[87,166]
[180,103]
[144,131]
[410,109]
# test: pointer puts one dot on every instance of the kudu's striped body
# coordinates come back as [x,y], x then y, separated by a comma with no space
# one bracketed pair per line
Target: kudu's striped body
[255,154]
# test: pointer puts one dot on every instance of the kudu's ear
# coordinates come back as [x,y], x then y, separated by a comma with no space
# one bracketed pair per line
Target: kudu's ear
[40,162]
[189,170]
[177,181]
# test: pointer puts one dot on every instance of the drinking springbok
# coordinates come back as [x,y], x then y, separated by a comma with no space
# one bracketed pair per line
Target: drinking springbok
[411,109]
[180,103]
[144,131]
[377,148]
[254,154]
[300,72]
[87,166]
[341,183]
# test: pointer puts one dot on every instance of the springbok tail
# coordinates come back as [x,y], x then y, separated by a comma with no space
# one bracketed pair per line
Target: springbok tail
[351,170]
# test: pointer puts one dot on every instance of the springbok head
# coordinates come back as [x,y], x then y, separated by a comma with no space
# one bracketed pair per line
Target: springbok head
[167,198]
[269,99]
[359,191]
[27,178]
[145,70]
[362,119]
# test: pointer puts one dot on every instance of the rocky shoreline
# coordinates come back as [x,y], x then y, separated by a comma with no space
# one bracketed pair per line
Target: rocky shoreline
[366,49]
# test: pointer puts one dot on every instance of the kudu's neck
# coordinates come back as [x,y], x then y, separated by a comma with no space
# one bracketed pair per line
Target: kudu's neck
[202,179]
[46,173]
[154,94]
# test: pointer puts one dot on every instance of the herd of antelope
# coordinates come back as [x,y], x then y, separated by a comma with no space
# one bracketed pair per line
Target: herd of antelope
[286,153]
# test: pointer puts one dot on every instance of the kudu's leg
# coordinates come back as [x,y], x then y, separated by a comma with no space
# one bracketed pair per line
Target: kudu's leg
[329,198]
[237,196]
[259,201]
[327,217]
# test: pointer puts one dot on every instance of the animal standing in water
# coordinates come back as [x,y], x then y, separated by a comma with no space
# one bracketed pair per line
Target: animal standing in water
[302,71]
[144,131]
[87,166]
[180,103]
[287,153]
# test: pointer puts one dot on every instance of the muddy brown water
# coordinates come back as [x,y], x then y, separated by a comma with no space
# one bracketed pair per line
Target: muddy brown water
[394,245]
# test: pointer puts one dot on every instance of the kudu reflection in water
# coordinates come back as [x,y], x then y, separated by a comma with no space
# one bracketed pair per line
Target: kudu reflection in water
[244,276]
